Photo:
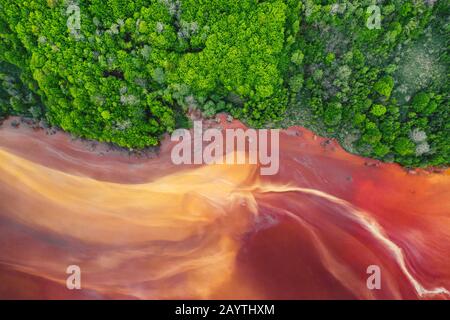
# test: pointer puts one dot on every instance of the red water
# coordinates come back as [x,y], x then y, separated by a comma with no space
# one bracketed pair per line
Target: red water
[145,228]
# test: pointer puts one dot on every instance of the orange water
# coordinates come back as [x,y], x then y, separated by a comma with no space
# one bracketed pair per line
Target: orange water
[144,228]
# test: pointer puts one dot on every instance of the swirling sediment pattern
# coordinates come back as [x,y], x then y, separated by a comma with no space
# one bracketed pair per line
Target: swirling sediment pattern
[147,229]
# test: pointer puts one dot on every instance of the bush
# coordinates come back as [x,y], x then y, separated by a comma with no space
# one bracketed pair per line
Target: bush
[404,146]
[420,101]
[384,86]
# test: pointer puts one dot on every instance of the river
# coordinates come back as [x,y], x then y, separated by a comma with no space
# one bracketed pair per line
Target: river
[144,228]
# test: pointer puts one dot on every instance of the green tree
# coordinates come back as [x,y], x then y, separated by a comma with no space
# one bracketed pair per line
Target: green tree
[384,86]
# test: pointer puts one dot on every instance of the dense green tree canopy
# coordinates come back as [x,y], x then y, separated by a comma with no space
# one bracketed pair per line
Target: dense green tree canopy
[127,71]
[127,67]
[375,87]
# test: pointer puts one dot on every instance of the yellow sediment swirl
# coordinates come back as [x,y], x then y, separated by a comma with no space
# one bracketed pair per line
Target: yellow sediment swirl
[180,233]
[174,237]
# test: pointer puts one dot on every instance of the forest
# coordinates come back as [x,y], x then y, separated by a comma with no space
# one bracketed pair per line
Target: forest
[372,74]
